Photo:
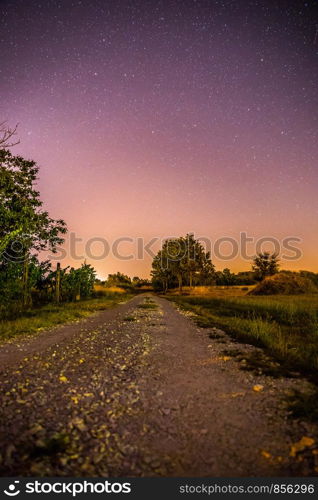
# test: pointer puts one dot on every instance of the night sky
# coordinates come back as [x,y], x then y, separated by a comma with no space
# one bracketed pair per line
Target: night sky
[158,118]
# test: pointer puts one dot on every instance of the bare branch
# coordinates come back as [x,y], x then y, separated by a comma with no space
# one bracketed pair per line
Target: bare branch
[6,135]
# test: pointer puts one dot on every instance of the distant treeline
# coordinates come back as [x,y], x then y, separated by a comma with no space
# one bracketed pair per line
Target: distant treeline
[183,262]
[123,281]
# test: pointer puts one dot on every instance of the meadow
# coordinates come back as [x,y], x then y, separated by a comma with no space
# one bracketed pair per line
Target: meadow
[285,325]
[51,315]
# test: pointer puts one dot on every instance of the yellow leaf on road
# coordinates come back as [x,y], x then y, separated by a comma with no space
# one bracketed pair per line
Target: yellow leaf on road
[305,442]
[258,388]
[63,378]
[225,358]
[79,423]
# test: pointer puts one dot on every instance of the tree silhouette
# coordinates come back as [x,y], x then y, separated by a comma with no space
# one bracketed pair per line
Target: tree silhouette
[265,264]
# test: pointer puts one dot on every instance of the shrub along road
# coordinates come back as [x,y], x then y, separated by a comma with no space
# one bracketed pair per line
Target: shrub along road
[140,390]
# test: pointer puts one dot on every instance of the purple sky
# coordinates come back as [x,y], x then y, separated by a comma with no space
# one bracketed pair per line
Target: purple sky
[153,119]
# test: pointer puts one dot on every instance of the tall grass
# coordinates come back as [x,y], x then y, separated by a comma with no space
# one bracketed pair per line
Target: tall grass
[286,325]
[294,311]
[52,315]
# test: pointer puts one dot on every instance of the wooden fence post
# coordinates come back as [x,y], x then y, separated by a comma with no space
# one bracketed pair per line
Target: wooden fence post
[58,283]
[25,281]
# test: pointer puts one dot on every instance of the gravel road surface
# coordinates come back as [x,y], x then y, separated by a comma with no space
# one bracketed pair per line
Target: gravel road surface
[141,390]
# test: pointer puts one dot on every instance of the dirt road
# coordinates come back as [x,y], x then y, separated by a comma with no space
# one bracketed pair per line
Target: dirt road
[140,390]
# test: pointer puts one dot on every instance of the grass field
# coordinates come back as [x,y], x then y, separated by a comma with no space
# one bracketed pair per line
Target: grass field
[52,315]
[286,325]
[214,291]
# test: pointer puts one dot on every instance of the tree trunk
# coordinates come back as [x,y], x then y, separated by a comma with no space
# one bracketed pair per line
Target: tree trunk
[191,279]
[180,283]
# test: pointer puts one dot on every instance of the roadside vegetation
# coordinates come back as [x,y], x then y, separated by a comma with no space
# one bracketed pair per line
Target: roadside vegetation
[51,315]
[287,326]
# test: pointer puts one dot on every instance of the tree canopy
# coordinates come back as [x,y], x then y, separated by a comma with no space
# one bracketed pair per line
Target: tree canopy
[265,264]
[182,261]
[22,217]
